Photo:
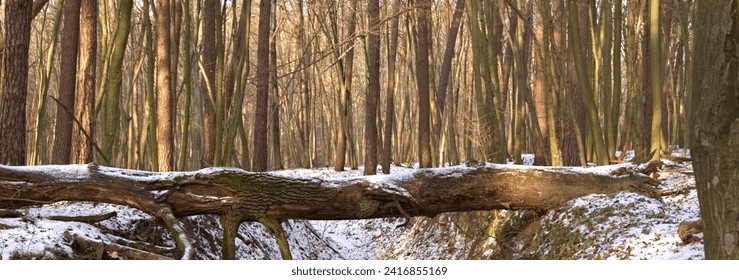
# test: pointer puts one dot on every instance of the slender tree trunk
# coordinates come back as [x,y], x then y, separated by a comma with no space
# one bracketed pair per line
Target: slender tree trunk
[655,65]
[586,89]
[84,108]
[259,161]
[148,139]
[165,122]
[390,91]
[17,25]
[373,88]
[187,81]
[422,80]
[67,79]
[112,87]
[616,101]
[446,69]
[39,154]
[274,107]
[208,84]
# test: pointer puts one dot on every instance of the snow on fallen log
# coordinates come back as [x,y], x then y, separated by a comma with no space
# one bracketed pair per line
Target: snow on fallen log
[239,196]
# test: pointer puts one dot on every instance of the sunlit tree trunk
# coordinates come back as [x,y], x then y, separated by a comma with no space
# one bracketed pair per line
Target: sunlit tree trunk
[165,122]
[422,79]
[67,78]
[655,65]
[445,75]
[586,89]
[208,82]
[84,108]
[112,87]
[39,150]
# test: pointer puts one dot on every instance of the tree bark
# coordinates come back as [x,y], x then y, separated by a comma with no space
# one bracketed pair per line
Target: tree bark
[208,84]
[390,91]
[422,80]
[259,162]
[262,195]
[715,139]
[17,25]
[84,108]
[114,79]
[445,75]
[373,88]
[165,123]
[68,66]
[655,64]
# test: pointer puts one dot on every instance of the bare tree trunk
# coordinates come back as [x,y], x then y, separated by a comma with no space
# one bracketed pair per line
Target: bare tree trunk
[655,65]
[715,142]
[446,69]
[17,25]
[112,87]
[165,122]
[67,79]
[586,89]
[208,84]
[390,91]
[39,154]
[344,137]
[373,88]
[259,161]
[85,106]
[274,106]
[422,80]
[187,81]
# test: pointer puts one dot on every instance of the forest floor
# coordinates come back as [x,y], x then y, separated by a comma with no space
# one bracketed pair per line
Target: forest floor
[623,226]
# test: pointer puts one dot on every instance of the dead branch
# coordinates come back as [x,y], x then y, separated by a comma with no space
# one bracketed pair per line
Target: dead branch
[145,246]
[113,250]
[8,213]
[84,219]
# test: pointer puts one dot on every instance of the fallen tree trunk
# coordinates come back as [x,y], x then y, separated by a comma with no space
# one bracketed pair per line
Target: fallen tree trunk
[239,196]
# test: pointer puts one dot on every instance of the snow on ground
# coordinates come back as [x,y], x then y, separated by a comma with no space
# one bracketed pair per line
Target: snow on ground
[624,226]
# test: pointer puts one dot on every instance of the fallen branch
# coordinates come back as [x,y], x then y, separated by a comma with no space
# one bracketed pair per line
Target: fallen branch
[145,246]
[84,219]
[113,250]
[7,213]
[683,191]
